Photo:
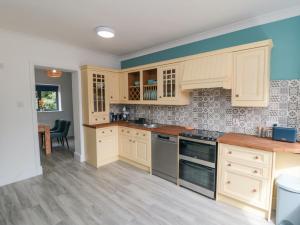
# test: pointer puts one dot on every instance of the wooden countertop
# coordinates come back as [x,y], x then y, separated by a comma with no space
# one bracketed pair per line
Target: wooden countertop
[162,128]
[265,144]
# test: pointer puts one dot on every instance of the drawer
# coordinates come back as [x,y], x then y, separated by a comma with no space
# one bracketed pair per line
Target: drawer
[126,131]
[96,119]
[107,131]
[252,191]
[141,134]
[246,154]
[260,172]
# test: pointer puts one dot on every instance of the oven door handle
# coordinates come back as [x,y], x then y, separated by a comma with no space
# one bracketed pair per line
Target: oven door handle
[196,166]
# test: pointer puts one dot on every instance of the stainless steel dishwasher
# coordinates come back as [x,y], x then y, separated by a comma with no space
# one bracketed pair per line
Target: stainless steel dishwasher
[165,156]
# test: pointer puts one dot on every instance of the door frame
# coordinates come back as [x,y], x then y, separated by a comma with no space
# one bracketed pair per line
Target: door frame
[79,153]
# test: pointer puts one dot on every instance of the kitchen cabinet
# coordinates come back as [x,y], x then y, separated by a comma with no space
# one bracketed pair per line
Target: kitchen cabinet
[114,87]
[209,71]
[169,89]
[251,77]
[123,87]
[95,100]
[135,146]
[245,178]
[101,145]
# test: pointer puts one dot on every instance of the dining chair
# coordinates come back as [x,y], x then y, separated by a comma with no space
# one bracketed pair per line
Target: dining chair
[56,126]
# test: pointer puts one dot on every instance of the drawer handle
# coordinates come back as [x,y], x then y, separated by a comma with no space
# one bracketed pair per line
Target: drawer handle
[133,141]
[122,130]
[96,119]
[144,135]
[137,133]
[99,140]
[130,140]
[237,95]
[255,171]
[103,118]
[111,97]
[229,164]
[254,190]
[103,132]
[256,157]
[110,130]
[128,132]
[228,182]
[230,152]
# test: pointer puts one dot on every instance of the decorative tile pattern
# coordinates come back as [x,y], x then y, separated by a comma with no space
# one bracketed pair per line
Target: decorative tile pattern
[211,109]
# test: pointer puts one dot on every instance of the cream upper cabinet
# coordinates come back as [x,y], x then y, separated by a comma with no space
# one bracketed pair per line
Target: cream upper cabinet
[114,87]
[168,81]
[123,87]
[209,71]
[95,96]
[251,77]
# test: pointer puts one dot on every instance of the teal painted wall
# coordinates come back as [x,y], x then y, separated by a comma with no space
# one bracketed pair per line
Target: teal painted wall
[285,61]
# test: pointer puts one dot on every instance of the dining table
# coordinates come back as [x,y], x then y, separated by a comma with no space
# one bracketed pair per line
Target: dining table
[44,132]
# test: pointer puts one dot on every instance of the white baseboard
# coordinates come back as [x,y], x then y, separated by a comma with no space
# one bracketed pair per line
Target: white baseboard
[79,157]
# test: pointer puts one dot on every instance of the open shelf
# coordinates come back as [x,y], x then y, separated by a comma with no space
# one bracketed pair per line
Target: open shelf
[150,84]
[134,89]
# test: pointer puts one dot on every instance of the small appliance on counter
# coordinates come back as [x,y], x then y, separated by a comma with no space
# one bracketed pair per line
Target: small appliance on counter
[284,134]
[125,114]
[198,150]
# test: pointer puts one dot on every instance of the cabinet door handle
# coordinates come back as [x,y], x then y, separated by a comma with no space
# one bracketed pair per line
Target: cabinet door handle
[129,140]
[103,132]
[99,140]
[237,95]
[230,152]
[133,141]
[229,164]
[104,118]
[110,130]
[159,96]
[127,132]
[137,133]
[254,190]
[144,135]
[228,182]
[111,97]
[96,119]
[255,171]
[256,157]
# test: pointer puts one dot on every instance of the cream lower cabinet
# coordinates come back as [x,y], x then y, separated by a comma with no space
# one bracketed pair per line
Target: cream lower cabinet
[101,145]
[135,146]
[245,178]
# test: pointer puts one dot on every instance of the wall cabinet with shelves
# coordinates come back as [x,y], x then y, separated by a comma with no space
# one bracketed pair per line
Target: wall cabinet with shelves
[95,96]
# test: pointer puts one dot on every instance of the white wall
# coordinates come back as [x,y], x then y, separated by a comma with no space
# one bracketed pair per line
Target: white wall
[19,156]
[66,111]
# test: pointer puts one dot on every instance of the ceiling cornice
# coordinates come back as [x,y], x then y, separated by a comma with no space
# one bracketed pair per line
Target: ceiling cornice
[251,22]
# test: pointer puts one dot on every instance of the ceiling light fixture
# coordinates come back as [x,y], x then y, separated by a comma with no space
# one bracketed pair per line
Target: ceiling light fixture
[105,32]
[54,73]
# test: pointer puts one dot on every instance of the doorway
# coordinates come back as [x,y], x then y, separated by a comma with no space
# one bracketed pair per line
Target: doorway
[53,104]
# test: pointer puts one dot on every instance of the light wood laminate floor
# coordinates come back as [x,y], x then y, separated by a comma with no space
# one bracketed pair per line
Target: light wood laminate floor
[73,193]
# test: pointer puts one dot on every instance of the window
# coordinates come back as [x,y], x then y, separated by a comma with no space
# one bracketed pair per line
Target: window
[47,98]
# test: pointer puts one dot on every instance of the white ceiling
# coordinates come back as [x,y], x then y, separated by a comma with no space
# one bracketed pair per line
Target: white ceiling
[139,24]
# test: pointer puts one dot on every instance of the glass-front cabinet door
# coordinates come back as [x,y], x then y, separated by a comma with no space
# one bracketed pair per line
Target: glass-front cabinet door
[168,82]
[98,84]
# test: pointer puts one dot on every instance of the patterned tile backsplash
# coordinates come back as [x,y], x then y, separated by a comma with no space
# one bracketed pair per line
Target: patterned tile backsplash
[211,109]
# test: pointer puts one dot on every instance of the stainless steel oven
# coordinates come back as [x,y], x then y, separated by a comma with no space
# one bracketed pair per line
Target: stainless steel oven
[197,164]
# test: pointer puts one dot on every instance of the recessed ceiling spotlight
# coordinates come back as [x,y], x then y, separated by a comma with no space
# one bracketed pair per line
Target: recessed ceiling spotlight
[105,32]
